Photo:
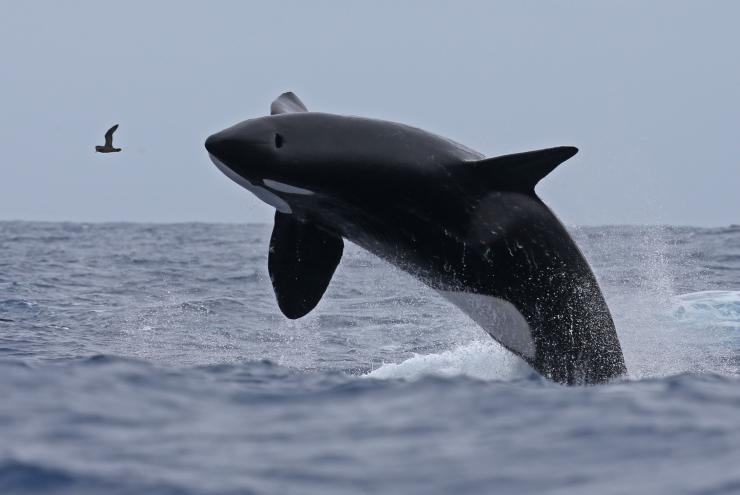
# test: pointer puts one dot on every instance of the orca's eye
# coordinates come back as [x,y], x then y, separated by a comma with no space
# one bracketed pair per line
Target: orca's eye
[278,140]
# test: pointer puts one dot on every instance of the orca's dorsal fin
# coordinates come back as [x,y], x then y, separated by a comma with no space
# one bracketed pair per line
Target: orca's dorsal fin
[520,171]
[301,262]
[287,103]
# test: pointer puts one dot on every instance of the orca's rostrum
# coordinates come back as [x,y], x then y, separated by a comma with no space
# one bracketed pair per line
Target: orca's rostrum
[468,226]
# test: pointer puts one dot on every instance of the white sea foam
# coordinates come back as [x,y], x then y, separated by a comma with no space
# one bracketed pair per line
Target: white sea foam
[478,359]
[718,307]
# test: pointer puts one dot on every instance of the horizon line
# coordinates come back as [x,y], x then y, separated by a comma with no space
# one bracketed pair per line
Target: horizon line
[201,222]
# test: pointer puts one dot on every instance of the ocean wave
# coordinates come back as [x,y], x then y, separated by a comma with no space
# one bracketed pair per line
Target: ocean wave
[18,477]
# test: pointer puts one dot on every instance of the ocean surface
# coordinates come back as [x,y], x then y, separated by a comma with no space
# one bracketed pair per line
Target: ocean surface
[152,359]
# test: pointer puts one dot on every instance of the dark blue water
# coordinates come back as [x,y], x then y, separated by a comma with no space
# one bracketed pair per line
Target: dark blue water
[153,359]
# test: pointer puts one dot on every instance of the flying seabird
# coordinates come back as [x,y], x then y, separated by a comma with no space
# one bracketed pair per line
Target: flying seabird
[108,148]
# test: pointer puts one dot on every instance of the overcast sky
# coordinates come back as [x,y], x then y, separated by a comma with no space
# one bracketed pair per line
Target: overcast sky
[648,90]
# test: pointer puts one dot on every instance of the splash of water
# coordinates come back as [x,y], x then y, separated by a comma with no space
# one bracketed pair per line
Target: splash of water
[478,359]
[662,333]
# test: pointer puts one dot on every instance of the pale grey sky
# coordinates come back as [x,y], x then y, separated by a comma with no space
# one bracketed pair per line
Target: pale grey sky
[648,90]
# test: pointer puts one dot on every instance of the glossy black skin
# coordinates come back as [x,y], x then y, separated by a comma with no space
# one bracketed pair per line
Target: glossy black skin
[413,198]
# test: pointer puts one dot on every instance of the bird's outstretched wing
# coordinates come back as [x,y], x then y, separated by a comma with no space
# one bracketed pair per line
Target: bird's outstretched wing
[109,136]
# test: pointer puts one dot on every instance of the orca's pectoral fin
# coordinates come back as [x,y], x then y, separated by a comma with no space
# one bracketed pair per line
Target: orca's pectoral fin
[301,262]
[521,171]
[287,103]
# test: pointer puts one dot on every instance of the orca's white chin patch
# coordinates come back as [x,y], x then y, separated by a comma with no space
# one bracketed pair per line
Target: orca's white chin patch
[268,197]
[498,317]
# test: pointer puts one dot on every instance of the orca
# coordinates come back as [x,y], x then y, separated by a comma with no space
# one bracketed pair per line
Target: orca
[470,227]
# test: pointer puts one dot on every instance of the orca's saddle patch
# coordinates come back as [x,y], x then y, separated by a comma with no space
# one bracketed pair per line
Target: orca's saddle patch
[301,262]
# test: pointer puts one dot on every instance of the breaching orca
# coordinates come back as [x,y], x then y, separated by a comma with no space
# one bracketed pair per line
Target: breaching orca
[468,226]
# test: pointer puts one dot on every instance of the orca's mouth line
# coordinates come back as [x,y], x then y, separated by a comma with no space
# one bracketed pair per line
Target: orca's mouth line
[265,195]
